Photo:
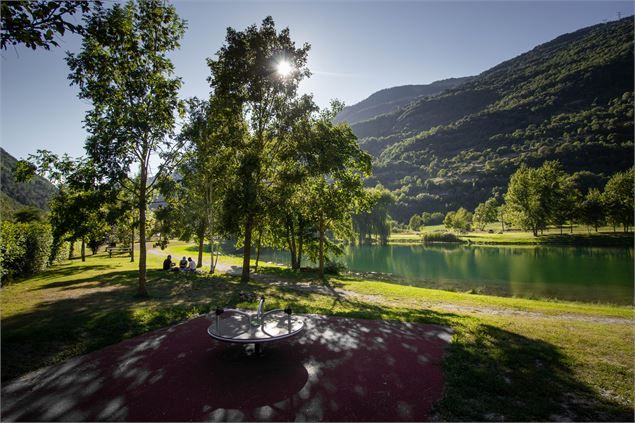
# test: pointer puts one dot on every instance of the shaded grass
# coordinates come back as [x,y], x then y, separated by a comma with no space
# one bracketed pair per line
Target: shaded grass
[497,367]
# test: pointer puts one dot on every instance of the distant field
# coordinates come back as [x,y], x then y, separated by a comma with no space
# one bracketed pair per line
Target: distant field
[579,236]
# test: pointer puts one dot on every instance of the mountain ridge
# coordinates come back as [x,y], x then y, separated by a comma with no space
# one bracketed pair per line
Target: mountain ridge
[570,99]
[16,195]
[389,99]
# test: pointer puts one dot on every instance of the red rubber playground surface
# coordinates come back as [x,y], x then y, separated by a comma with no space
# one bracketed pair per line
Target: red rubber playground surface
[337,370]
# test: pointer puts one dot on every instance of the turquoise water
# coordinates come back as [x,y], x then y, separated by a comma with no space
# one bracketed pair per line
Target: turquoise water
[570,273]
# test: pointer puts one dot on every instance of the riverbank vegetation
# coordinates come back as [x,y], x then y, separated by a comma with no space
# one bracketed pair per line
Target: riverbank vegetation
[581,352]
[491,234]
[537,198]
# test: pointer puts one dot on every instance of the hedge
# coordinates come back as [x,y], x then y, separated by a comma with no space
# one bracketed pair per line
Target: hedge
[25,249]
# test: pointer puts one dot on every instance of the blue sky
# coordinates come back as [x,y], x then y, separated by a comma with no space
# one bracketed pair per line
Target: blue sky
[358,47]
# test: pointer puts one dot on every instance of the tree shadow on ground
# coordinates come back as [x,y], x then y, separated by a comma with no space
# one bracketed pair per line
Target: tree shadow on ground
[497,375]
[491,373]
[89,313]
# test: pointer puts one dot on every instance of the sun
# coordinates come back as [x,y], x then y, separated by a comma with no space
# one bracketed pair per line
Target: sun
[284,68]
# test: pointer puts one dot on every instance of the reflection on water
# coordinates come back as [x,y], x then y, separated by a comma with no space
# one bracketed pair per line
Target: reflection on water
[571,273]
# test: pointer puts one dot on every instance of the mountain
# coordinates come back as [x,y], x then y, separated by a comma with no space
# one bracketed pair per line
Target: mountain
[570,99]
[15,195]
[390,99]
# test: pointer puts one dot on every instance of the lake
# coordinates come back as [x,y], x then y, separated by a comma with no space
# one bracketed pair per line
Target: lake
[570,273]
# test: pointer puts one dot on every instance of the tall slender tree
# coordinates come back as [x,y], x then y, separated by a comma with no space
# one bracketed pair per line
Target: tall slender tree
[124,71]
[256,74]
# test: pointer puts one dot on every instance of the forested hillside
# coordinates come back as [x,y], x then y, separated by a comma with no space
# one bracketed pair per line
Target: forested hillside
[390,99]
[570,99]
[36,193]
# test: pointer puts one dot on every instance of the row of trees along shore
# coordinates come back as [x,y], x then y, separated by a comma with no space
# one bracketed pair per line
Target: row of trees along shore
[255,162]
[543,196]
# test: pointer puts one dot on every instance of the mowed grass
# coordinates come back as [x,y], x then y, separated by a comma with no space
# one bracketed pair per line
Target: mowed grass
[580,236]
[511,359]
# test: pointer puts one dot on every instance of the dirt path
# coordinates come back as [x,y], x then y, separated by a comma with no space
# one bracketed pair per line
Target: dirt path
[443,306]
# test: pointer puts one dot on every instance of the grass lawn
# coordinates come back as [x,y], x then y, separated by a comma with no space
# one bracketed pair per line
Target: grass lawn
[512,359]
[580,236]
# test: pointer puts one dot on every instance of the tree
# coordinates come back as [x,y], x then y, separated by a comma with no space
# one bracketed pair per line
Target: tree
[460,220]
[591,210]
[245,81]
[124,71]
[524,203]
[560,194]
[415,222]
[77,210]
[337,167]
[37,23]
[618,199]
[485,213]
[374,219]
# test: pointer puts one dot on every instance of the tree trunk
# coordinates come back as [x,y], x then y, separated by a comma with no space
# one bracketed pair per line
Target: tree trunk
[560,229]
[300,244]
[291,243]
[141,289]
[132,244]
[83,252]
[321,270]
[247,249]
[210,226]
[258,248]
[201,246]
[70,250]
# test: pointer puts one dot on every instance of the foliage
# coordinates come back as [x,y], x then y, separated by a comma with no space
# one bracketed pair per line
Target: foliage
[530,199]
[618,199]
[36,23]
[124,71]
[591,210]
[460,220]
[25,249]
[440,237]
[485,213]
[28,214]
[375,221]
[244,80]
[415,222]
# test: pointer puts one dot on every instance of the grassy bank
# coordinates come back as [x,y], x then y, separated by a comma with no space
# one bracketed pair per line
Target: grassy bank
[552,236]
[510,358]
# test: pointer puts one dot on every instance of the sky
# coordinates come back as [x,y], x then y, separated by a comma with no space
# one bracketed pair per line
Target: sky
[357,48]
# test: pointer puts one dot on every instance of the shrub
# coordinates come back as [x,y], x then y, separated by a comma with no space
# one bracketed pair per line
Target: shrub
[25,249]
[12,249]
[59,252]
[334,267]
[440,237]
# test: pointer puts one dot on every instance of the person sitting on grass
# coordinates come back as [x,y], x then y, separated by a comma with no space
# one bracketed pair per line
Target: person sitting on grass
[167,263]
[192,265]
[183,265]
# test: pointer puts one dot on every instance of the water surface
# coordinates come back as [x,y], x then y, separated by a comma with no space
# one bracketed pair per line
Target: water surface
[571,273]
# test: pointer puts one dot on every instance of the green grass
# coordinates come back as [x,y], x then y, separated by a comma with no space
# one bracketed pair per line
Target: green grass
[552,236]
[511,358]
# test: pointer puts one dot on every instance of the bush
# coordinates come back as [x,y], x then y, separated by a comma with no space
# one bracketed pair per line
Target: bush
[25,249]
[333,267]
[59,252]
[440,237]
[12,249]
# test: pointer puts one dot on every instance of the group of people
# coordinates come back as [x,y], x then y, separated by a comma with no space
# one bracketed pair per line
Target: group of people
[188,265]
